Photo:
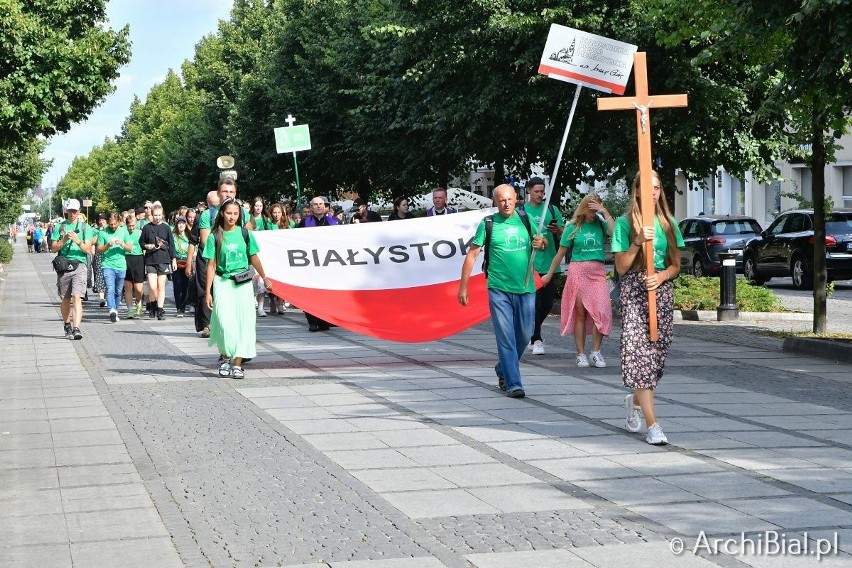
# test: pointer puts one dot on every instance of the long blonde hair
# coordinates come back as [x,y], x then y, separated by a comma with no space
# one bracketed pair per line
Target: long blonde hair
[661,211]
[581,211]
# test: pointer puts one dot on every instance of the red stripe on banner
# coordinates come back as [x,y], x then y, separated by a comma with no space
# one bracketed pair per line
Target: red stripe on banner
[410,315]
[614,87]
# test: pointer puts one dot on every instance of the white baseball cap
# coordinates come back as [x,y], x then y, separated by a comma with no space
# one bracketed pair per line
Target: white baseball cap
[73,204]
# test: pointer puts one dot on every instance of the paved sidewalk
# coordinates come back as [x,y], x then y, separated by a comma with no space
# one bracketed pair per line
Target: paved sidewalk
[339,450]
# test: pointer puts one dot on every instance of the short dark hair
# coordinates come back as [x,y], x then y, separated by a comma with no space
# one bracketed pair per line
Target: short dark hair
[227,181]
[535,181]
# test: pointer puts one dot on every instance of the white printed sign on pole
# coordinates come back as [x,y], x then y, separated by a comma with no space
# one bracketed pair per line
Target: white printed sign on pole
[594,61]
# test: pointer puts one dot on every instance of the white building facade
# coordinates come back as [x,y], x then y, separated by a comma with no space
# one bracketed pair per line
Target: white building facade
[724,194]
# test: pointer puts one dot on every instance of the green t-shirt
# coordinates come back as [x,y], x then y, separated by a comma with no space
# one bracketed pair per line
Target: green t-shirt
[509,255]
[208,217]
[134,238]
[588,242]
[543,258]
[621,239]
[113,257]
[181,245]
[263,225]
[232,255]
[70,250]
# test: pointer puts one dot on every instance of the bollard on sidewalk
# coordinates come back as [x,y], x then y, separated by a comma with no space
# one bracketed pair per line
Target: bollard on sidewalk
[727,310]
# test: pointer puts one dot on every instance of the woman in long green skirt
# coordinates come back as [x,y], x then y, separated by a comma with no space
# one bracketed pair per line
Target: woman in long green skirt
[229,251]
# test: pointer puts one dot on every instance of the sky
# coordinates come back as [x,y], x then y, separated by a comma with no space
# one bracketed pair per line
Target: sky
[164,34]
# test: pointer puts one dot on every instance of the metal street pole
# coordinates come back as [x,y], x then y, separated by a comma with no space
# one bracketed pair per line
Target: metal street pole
[298,185]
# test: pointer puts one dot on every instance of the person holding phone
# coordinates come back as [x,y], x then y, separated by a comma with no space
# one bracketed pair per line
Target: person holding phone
[586,305]
[159,249]
[554,225]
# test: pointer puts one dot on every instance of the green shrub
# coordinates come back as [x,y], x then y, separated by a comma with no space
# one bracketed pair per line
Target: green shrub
[703,294]
[5,252]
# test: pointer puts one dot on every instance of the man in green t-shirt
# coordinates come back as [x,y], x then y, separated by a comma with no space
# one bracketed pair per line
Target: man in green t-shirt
[511,297]
[72,239]
[554,224]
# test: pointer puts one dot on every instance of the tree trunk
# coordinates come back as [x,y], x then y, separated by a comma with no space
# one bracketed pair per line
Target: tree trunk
[818,188]
[499,172]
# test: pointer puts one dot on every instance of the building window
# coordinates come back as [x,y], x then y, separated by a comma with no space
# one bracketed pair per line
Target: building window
[806,188]
[846,174]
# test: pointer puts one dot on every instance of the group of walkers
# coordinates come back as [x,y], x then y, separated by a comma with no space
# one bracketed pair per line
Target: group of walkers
[510,240]
[129,250]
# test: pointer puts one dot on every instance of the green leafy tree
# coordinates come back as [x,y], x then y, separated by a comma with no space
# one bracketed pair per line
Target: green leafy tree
[57,61]
[20,170]
[796,59]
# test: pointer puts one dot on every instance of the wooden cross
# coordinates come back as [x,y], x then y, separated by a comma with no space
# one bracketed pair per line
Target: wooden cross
[641,103]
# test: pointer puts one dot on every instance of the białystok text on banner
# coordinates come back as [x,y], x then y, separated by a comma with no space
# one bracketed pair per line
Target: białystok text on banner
[396,280]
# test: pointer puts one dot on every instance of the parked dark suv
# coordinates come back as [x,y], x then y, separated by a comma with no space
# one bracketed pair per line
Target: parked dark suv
[706,236]
[786,248]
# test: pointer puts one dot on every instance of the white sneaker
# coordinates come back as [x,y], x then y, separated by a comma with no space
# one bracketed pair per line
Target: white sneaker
[261,313]
[286,304]
[655,435]
[634,414]
[597,359]
[538,347]
[582,360]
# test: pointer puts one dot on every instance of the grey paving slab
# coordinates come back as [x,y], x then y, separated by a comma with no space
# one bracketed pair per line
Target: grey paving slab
[723,485]
[537,449]
[829,456]
[772,439]
[39,529]
[794,512]
[391,563]
[18,502]
[576,469]
[413,438]
[403,479]
[528,498]
[346,441]
[636,491]
[538,558]
[26,458]
[664,464]
[693,518]
[90,455]
[36,556]
[371,459]
[143,553]
[457,454]
[29,479]
[640,555]
[86,438]
[106,474]
[757,458]
[438,503]
[820,480]
[483,475]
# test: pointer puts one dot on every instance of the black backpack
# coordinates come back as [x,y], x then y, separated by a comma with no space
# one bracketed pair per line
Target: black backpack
[489,226]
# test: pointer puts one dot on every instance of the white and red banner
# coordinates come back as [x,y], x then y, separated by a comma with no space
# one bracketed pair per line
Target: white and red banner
[395,280]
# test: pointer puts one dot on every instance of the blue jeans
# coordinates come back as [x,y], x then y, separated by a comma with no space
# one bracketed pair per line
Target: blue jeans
[513,318]
[114,280]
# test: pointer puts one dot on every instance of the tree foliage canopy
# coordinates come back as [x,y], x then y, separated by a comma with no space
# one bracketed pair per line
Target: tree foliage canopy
[402,94]
[57,61]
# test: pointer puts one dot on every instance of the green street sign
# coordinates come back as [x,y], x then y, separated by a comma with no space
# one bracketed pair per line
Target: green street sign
[292,138]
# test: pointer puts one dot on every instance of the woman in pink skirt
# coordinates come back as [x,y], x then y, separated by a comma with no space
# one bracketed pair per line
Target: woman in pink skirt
[586,307]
